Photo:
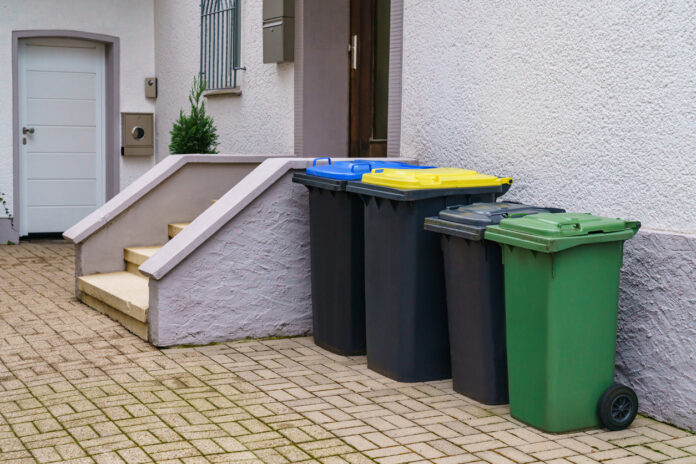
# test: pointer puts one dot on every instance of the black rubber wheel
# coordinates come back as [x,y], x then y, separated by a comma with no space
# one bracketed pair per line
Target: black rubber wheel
[617,407]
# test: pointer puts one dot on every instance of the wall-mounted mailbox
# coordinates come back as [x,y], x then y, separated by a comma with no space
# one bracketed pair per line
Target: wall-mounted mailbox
[150,87]
[137,134]
[278,31]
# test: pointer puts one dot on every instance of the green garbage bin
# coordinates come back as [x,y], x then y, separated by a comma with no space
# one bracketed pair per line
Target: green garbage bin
[561,276]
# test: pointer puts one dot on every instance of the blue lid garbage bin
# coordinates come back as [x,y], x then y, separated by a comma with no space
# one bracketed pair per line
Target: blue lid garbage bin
[475,296]
[337,251]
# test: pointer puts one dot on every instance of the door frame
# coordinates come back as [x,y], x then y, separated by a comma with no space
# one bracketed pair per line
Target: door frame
[111,105]
[322,33]
[361,81]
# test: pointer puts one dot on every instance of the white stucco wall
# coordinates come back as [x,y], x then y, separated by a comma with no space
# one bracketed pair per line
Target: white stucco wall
[260,121]
[130,20]
[589,106]
[250,279]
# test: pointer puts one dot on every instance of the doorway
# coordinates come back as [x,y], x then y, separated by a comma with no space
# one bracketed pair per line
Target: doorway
[369,77]
[61,114]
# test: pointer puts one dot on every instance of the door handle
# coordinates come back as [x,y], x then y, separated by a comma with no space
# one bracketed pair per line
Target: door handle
[354,52]
[27,130]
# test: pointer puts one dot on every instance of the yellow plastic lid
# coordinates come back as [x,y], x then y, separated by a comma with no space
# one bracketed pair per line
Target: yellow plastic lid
[437,178]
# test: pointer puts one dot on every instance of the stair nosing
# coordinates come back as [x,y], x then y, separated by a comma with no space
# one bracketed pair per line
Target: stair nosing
[119,303]
[180,225]
[132,255]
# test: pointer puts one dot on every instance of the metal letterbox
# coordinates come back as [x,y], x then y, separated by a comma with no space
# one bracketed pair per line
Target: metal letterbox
[150,87]
[137,134]
[278,31]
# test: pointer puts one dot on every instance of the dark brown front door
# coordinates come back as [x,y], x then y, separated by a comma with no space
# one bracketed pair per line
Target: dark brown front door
[369,77]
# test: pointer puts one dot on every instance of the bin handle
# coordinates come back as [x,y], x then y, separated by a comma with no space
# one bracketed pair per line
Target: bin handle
[369,166]
[568,222]
[430,179]
[568,225]
[327,158]
[562,225]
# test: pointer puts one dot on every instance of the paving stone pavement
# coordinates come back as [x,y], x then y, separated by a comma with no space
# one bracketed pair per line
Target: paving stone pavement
[76,387]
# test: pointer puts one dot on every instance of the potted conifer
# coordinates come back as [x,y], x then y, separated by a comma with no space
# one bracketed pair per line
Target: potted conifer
[194,132]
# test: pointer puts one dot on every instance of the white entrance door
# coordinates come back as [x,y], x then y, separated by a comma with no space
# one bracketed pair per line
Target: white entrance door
[61,123]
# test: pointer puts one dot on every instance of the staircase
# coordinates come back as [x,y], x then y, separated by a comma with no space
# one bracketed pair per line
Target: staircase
[124,295]
[122,272]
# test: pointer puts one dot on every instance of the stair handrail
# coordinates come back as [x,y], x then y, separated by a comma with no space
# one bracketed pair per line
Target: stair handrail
[140,187]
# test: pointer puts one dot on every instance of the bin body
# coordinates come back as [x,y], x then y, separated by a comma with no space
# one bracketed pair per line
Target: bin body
[475,297]
[561,310]
[337,254]
[476,313]
[561,319]
[338,279]
[405,299]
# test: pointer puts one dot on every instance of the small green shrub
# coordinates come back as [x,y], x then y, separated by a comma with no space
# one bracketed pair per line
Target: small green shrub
[194,132]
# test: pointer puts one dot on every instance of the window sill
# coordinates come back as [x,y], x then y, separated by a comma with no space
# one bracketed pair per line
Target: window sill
[235,92]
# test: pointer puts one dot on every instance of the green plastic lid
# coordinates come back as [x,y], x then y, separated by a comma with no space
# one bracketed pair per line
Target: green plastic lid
[551,232]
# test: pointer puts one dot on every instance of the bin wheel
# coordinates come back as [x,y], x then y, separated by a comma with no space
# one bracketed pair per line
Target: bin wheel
[617,407]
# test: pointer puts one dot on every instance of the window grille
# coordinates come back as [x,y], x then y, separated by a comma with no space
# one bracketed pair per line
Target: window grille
[220,43]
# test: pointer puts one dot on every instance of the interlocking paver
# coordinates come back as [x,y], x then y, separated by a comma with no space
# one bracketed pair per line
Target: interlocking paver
[76,387]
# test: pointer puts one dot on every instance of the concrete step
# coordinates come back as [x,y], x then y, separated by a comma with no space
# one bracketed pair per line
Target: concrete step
[135,256]
[123,296]
[176,228]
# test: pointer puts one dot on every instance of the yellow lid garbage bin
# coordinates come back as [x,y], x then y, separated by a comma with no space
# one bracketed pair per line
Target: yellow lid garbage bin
[405,306]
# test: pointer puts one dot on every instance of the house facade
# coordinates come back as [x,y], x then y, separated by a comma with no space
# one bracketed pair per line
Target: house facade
[588,106]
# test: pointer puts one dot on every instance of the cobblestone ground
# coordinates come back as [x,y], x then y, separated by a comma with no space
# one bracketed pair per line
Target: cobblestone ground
[76,387]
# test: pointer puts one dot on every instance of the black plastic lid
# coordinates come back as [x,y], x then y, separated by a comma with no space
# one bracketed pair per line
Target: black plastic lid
[470,221]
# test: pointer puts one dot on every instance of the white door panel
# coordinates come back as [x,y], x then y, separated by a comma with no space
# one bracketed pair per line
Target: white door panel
[62,168]
[46,84]
[60,59]
[62,139]
[74,192]
[54,112]
[48,218]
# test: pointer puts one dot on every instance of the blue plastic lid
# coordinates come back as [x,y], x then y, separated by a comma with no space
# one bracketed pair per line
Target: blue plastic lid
[354,170]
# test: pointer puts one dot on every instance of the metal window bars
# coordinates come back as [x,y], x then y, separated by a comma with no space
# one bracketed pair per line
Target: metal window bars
[220,43]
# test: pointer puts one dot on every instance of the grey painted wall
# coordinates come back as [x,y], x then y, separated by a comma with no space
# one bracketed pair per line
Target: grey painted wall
[321,77]
[251,279]
[7,232]
[656,350]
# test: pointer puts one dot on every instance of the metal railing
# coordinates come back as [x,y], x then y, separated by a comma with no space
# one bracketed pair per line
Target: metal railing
[220,43]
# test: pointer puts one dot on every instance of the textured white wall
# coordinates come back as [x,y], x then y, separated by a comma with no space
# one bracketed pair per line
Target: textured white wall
[250,279]
[258,122]
[130,20]
[588,105]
